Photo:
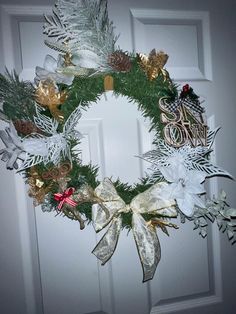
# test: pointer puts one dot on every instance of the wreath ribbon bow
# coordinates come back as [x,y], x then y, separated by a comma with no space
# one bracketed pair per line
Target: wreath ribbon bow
[65,198]
[144,232]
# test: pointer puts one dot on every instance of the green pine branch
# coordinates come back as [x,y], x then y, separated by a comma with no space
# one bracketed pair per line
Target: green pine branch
[17,97]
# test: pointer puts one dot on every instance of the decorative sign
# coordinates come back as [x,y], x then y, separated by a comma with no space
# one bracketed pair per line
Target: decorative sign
[182,126]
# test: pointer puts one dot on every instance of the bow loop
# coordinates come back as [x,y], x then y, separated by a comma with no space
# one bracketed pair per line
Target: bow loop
[107,198]
[151,200]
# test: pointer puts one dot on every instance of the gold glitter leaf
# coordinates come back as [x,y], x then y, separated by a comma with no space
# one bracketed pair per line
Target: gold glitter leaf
[47,96]
[153,65]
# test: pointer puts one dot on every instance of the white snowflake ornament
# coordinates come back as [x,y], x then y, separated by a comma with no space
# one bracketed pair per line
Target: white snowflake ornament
[14,150]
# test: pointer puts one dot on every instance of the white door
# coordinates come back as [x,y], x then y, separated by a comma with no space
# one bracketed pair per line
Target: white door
[46,261]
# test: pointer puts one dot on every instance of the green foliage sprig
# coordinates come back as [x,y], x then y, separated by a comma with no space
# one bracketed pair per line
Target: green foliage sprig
[17,97]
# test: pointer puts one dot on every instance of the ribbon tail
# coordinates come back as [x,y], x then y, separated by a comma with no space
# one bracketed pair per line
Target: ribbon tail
[148,246]
[107,245]
[100,216]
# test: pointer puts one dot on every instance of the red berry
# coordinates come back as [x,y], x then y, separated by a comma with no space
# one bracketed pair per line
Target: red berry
[186,88]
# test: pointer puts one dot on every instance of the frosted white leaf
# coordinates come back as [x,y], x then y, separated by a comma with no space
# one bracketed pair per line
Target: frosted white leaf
[203,233]
[60,47]
[35,146]
[71,123]
[57,146]
[55,28]
[228,213]
[45,123]
[203,164]
[230,234]
[211,137]
[31,160]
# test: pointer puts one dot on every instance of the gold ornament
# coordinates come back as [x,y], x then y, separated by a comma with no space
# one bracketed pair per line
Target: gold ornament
[47,96]
[37,189]
[154,64]
[39,183]
[56,173]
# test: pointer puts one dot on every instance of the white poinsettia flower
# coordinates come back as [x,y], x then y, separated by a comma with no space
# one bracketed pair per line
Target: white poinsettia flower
[49,71]
[185,186]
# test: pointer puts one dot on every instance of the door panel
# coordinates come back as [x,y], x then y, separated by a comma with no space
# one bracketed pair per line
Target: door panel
[185,35]
[66,277]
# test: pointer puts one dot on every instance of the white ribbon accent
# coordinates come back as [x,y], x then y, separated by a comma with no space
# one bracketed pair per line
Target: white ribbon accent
[145,236]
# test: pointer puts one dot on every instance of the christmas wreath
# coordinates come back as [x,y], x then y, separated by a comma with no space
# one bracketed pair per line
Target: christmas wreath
[41,140]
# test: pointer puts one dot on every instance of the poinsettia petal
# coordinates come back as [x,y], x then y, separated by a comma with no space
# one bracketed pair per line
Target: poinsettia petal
[195,188]
[178,190]
[180,171]
[186,205]
[64,79]
[171,191]
[175,159]
[198,201]
[41,73]
[167,173]
[196,176]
